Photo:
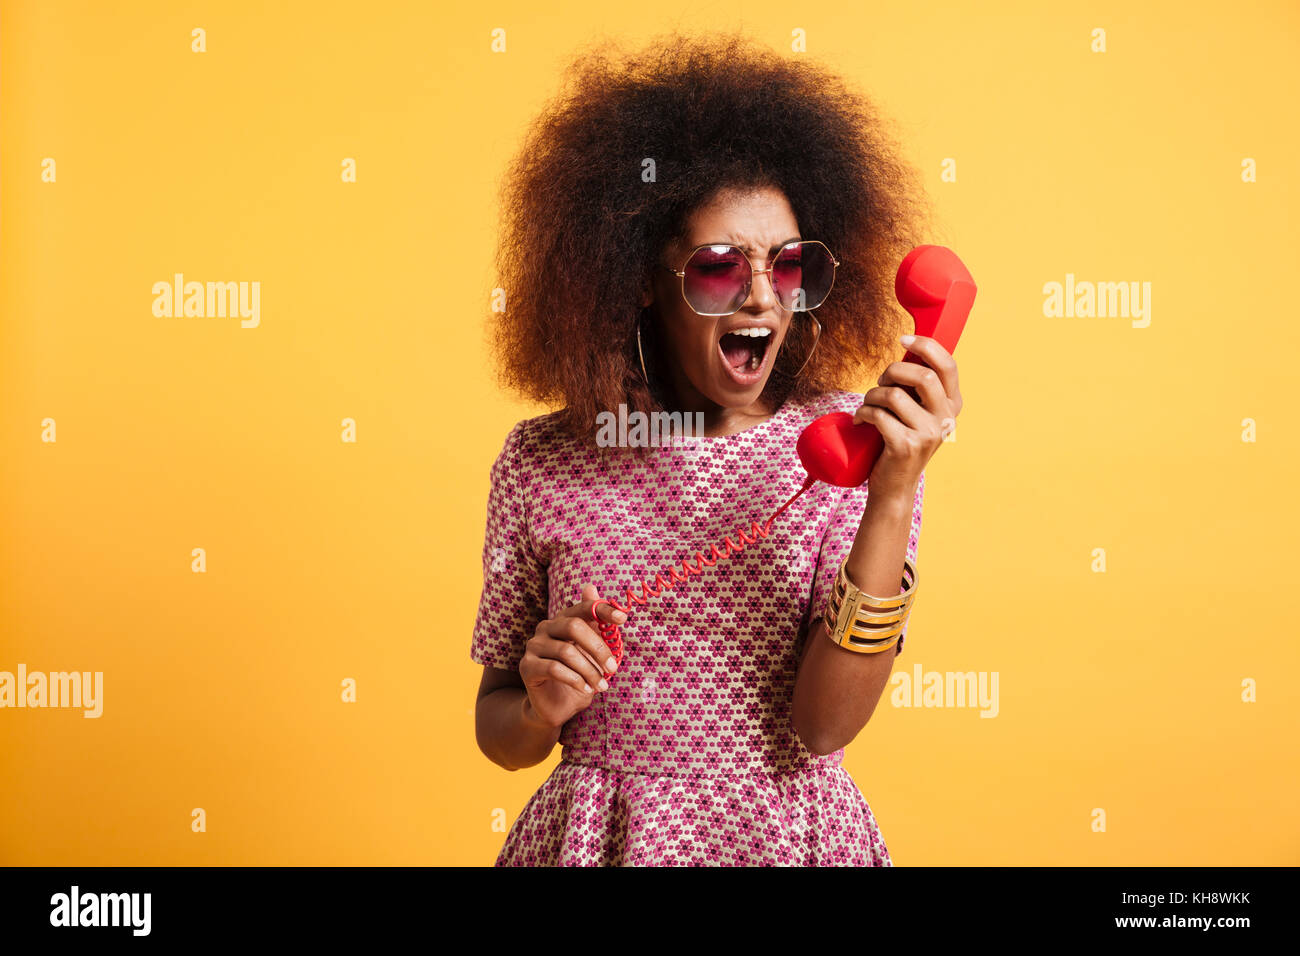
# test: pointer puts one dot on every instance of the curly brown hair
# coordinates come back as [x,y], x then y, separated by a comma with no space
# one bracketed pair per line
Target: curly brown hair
[582,229]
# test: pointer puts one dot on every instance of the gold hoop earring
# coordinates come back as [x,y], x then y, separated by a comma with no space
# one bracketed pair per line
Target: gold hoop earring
[814,346]
[639,353]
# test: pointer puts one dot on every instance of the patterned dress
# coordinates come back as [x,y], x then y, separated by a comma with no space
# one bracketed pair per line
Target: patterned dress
[689,758]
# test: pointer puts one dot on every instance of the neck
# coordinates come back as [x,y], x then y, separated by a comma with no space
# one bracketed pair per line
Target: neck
[718,419]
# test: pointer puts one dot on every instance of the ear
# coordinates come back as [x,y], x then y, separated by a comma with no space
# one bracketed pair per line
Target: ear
[647,293]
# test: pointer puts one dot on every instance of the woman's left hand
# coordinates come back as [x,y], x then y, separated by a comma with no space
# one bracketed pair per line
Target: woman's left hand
[912,430]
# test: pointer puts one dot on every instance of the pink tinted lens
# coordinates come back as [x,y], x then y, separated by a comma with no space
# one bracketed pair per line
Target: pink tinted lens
[802,275]
[717,280]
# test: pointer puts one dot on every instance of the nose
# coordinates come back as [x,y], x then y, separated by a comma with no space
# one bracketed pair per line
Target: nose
[762,293]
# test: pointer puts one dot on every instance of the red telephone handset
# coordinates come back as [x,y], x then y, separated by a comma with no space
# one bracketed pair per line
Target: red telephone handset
[934,286]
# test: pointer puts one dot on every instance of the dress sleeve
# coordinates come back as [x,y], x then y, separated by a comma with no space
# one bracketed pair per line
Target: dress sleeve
[838,541]
[514,597]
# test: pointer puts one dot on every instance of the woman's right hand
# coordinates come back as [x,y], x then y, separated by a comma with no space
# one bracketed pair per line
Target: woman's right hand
[559,668]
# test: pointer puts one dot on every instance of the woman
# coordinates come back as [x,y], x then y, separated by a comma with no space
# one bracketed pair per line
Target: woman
[671,222]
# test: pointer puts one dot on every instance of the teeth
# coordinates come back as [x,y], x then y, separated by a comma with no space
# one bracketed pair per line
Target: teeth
[756,333]
[753,362]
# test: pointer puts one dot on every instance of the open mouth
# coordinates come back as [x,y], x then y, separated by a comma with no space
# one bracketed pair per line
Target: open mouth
[744,353]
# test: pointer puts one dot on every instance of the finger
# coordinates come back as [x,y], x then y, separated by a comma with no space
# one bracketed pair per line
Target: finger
[574,659]
[922,383]
[903,406]
[535,670]
[586,654]
[558,671]
[583,608]
[931,353]
[610,614]
[580,632]
[893,431]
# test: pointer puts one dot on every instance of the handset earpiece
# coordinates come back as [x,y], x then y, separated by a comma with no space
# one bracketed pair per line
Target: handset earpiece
[935,287]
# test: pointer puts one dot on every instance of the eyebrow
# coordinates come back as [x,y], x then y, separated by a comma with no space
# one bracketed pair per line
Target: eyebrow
[750,249]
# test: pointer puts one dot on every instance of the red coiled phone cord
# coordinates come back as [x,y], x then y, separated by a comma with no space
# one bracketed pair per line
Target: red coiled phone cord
[611,631]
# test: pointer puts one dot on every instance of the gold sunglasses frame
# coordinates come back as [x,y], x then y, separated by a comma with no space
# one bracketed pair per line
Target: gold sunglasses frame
[749,287]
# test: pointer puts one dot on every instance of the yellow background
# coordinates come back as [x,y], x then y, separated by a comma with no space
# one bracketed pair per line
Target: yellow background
[328,560]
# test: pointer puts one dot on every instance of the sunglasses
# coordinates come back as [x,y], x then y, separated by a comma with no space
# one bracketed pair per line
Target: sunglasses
[717,278]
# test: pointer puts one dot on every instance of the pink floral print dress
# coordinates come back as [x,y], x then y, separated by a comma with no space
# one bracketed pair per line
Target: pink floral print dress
[689,758]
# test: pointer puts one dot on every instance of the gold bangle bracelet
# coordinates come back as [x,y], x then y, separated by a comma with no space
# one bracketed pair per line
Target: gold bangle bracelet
[864,623]
[860,648]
